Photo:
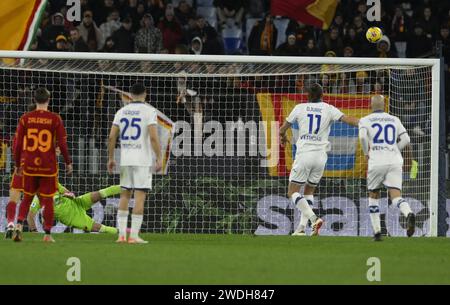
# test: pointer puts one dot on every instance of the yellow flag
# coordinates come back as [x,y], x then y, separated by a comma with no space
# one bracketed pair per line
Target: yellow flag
[19,20]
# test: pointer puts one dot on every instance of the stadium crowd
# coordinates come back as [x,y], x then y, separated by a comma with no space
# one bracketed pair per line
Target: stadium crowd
[411,28]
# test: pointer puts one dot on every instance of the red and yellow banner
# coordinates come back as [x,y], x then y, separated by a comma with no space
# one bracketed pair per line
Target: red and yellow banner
[19,20]
[345,158]
[319,13]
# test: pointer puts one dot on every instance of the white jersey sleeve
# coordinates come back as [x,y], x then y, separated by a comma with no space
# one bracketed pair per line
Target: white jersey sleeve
[335,113]
[117,118]
[294,115]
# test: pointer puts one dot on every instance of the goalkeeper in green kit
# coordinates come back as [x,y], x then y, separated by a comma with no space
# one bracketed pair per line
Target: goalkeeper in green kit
[71,210]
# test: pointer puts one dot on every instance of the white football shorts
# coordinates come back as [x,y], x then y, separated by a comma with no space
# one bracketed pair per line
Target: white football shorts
[389,175]
[136,177]
[308,167]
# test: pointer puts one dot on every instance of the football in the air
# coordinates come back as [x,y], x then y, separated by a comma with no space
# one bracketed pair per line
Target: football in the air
[374,34]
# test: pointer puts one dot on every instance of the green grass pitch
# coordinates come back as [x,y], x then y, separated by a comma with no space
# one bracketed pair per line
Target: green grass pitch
[224,259]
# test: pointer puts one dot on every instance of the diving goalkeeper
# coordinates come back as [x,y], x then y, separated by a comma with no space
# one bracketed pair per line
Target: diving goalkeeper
[71,210]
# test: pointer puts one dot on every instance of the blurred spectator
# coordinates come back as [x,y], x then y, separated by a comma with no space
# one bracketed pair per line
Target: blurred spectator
[332,42]
[311,48]
[360,29]
[196,46]
[184,13]
[354,41]
[256,8]
[198,28]
[61,43]
[90,32]
[418,44]
[230,9]
[109,46]
[338,22]
[212,44]
[346,84]
[156,9]
[263,37]
[171,30]
[148,38]
[362,85]
[181,49]
[444,36]
[348,51]
[103,11]
[78,44]
[124,37]
[111,25]
[290,47]
[384,48]
[301,30]
[399,33]
[52,31]
[429,23]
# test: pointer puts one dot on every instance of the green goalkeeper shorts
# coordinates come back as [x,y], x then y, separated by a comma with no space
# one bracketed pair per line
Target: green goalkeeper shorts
[72,213]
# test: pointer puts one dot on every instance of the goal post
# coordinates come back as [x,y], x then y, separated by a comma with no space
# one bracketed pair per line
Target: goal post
[219,116]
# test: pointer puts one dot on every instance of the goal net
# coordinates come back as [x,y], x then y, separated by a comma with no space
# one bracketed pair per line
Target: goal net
[224,168]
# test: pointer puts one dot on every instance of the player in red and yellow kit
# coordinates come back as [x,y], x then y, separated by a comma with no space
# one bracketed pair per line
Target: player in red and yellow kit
[15,190]
[38,134]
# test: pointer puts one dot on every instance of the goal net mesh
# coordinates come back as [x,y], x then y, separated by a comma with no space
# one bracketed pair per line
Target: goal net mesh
[224,168]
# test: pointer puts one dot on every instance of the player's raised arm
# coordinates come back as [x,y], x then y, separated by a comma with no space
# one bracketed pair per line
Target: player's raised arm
[112,141]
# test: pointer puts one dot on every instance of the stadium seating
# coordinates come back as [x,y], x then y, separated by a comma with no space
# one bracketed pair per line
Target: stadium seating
[209,13]
[232,40]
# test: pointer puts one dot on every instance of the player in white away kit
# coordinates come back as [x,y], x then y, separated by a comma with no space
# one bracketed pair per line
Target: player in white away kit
[136,125]
[383,137]
[314,120]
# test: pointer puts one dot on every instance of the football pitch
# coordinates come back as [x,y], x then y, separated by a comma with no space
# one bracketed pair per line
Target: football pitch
[224,259]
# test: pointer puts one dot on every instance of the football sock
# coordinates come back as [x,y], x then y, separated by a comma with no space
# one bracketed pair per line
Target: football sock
[303,218]
[122,221]
[11,212]
[301,203]
[110,191]
[47,204]
[374,211]
[136,222]
[402,205]
[24,208]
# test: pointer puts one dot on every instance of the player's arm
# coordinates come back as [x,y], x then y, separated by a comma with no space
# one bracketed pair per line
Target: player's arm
[112,141]
[284,128]
[349,120]
[364,139]
[154,140]
[19,142]
[61,137]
